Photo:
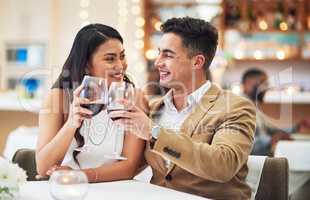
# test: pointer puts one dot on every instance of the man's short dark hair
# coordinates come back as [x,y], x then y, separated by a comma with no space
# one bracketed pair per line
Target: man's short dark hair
[197,35]
[252,73]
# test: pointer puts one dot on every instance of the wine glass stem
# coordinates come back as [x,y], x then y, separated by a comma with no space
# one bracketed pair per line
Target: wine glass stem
[88,132]
[115,143]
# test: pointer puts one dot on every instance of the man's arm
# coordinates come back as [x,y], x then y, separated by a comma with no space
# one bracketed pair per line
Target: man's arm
[223,158]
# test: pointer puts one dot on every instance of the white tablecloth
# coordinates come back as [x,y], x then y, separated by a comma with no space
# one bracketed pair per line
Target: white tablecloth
[25,137]
[22,137]
[118,190]
[297,154]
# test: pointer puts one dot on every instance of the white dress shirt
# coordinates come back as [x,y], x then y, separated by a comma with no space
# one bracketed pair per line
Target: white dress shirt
[171,118]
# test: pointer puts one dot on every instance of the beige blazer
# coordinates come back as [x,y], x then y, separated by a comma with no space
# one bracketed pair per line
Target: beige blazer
[209,155]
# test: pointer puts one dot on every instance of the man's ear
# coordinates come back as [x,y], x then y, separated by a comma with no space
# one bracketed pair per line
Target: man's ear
[199,61]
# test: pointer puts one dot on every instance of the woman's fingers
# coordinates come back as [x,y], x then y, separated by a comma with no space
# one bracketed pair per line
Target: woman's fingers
[51,170]
[82,111]
[77,91]
[80,101]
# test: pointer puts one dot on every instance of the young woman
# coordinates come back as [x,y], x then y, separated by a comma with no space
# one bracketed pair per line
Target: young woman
[97,51]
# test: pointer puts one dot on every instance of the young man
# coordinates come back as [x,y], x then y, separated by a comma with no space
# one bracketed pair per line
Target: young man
[199,136]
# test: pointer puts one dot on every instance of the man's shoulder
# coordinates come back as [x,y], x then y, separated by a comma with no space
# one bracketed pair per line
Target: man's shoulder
[233,100]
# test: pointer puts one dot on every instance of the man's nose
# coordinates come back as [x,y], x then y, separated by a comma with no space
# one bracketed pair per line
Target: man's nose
[158,62]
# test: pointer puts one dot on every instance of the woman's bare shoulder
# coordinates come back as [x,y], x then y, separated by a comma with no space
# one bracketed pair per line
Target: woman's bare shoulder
[57,100]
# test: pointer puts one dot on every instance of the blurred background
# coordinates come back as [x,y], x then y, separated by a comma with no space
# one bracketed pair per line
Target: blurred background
[270,35]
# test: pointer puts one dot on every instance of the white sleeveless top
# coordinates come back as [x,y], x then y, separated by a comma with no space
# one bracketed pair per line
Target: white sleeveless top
[102,132]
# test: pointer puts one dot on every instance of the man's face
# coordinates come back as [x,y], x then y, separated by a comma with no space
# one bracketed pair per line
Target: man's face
[173,62]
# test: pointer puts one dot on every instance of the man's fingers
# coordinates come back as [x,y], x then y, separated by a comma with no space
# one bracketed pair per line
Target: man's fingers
[120,114]
[128,105]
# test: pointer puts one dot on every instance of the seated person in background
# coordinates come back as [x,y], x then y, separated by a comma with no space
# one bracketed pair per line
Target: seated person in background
[97,51]
[198,135]
[255,84]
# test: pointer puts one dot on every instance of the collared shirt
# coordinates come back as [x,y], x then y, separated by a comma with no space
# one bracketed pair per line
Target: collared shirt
[171,118]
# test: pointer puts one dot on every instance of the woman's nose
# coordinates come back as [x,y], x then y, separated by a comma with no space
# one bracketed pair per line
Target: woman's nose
[119,65]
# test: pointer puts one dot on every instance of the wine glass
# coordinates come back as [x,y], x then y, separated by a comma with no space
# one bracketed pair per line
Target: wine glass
[96,91]
[68,184]
[117,92]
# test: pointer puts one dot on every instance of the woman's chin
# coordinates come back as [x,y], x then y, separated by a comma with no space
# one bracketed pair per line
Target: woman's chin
[115,79]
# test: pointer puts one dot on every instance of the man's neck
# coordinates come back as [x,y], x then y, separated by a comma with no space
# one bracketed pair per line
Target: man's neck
[179,95]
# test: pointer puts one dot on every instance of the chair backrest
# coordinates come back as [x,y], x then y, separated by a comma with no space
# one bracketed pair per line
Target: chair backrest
[25,158]
[274,180]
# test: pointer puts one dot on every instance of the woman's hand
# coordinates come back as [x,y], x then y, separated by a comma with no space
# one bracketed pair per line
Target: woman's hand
[77,113]
[56,168]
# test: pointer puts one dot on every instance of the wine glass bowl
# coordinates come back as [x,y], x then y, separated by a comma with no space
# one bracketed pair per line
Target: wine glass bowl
[68,184]
[95,90]
[117,92]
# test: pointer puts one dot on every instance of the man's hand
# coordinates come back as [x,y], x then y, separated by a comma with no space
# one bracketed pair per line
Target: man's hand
[134,121]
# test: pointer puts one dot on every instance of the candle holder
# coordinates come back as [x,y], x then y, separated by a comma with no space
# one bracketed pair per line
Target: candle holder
[68,185]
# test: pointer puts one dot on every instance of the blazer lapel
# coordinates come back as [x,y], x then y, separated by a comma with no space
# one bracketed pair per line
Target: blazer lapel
[191,122]
[206,102]
[155,107]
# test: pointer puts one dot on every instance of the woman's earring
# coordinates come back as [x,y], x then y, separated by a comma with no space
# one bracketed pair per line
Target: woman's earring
[86,72]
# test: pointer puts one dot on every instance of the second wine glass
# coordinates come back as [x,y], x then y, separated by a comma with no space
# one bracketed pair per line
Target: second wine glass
[117,92]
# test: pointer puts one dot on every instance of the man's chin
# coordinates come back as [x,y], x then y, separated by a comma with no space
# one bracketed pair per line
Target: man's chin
[165,84]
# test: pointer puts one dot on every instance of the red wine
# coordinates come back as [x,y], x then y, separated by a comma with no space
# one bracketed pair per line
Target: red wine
[95,107]
[111,110]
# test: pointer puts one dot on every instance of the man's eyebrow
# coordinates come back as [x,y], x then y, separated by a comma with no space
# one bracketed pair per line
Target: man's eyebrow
[110,54]
[166,51]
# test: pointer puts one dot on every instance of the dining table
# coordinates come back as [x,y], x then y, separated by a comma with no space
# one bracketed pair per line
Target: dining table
[116,190]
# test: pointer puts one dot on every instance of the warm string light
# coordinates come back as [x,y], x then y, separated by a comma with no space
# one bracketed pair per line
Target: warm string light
[263,25]
[238,54]
[258,55]
[84,14]
[283,26]
[122,15]
[139,22]
[280,55]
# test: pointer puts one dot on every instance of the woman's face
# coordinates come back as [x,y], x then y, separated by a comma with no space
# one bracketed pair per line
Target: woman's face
[108,61]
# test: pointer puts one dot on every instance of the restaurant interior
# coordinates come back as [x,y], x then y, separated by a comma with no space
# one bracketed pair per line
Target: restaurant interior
[272,36]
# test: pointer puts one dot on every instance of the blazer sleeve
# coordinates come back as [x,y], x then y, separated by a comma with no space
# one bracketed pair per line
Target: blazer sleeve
[222,159]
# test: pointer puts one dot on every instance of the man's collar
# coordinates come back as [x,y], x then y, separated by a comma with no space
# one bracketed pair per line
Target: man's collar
[192,98]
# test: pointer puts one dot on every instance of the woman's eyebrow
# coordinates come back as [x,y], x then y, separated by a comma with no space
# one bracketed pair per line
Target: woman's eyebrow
[110,54]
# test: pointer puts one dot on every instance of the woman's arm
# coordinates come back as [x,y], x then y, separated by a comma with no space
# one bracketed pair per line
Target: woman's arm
[56,131]
[55,137]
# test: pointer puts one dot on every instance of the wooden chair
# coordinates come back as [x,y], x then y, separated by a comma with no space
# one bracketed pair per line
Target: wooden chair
[25,158]
[274,180]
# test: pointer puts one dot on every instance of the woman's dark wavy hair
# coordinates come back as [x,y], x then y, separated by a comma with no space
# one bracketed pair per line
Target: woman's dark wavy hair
[86,42]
